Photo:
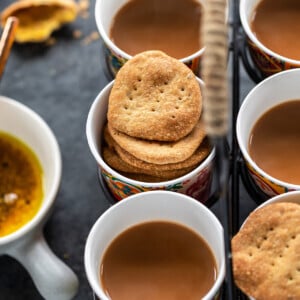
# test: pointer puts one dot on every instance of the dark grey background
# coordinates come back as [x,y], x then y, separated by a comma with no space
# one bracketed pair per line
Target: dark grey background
[60,82]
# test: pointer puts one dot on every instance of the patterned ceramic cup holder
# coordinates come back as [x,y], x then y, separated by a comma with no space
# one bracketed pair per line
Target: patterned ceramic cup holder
[196,183]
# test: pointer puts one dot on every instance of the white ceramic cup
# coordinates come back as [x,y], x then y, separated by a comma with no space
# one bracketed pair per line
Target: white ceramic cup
[53,279]
[276,89]
[287,197]
[196,183]
[116,57]
[151,206]
[267,61]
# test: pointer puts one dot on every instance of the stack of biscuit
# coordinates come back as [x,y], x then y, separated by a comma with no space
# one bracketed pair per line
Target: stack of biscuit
[154,131]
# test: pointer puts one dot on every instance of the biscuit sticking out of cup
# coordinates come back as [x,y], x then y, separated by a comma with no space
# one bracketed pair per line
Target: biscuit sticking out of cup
[266,253]
[154,119]
[39,18]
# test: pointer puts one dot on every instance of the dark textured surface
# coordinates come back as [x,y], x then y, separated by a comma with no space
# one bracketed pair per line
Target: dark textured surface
[60,82]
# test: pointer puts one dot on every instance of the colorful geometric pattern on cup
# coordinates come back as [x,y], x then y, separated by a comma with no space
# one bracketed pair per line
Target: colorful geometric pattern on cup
[113,60]
[268,186]
[268,64]
[197,186]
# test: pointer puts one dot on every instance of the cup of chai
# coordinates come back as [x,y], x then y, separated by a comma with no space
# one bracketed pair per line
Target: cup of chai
[156,245]
[268,133]
[272,30]
[265,250]
[30,174]
[130,27]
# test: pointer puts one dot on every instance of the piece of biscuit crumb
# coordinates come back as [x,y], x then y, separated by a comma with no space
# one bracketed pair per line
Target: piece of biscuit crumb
[77,34]
[93,36]
[83,8]
[51,41]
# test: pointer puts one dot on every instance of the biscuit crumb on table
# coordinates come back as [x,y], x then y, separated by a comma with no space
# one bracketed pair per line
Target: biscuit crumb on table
[93,36]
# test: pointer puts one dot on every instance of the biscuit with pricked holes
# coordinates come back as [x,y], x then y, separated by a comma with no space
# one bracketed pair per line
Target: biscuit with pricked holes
[160,152]
[155,97]
[114,161]
[266,253]
[199,155]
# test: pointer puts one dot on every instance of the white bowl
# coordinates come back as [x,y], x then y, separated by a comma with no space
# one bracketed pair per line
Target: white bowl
[53,279]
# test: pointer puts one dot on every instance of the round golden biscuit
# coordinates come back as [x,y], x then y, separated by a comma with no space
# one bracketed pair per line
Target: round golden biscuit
[199,155]
[266,253]
[160,152]
[114,161]
[155,97]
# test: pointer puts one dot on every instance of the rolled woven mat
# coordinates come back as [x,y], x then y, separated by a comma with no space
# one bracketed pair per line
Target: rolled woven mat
[214,67]
[216,111]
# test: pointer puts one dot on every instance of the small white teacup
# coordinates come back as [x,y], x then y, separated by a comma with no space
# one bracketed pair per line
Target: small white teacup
[276,89]
[116,57]
[153,206]
[196,183]
[265,59]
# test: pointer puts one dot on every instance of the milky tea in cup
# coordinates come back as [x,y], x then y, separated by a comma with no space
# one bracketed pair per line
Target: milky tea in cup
[272,29]
[131,27]
[274,142]
[158,260]
[276,25]
[170,26]
[268,132]
[156,245]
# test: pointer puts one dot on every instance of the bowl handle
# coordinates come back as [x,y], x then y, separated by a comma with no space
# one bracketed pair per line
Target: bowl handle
[52,277]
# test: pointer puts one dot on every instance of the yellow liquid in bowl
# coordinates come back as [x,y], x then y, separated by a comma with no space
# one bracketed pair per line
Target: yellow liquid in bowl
[21,186]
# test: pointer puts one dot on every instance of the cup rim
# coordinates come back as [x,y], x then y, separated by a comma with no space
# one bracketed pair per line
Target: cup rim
[100,161]
[254,39]
[279,198]
[48,199]
[274,199]
[243,147]
[122,53]
[93,233]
